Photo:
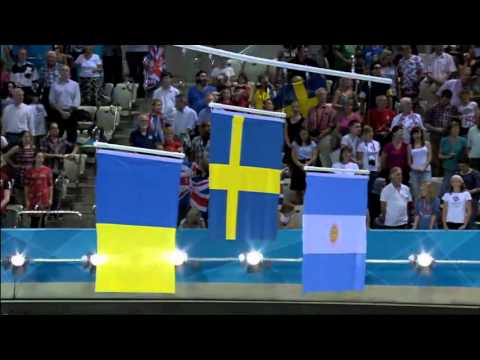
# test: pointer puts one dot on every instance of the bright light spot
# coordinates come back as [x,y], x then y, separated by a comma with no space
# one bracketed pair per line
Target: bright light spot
[97,259]
[424,260]
[412,258]
[241,258]
[18,260]
[254,258]
[178,257]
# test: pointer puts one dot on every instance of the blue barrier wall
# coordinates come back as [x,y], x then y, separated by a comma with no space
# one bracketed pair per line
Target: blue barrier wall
[74,243]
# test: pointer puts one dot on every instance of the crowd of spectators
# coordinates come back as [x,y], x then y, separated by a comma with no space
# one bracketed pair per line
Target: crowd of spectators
[424,127]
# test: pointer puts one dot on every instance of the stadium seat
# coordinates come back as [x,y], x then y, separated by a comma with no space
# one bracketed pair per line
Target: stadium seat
[107,119]
[85,125]
[74,168]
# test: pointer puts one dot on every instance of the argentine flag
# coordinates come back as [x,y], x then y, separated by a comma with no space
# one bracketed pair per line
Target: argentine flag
[334,232]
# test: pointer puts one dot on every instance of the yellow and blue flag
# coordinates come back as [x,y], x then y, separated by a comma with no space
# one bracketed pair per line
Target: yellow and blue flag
[137,205]
[245,166]
[301,91]
[334,233]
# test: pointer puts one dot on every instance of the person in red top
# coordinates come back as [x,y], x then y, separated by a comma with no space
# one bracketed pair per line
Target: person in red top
[38,189]
[380,119]
[395,154]
[241,97]
[171,142]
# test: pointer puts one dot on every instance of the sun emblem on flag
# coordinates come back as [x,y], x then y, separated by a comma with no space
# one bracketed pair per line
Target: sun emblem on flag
[334,233]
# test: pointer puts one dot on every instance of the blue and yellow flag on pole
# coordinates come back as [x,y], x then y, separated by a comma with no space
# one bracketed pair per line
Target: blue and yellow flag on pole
[137,205]
[245,166]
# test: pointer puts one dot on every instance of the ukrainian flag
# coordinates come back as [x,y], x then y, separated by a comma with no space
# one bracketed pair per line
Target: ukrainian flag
[245,166]
[334,233]
[301,91]
[137,205]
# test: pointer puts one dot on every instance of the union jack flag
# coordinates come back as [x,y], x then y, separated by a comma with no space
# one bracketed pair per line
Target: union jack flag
[154,64]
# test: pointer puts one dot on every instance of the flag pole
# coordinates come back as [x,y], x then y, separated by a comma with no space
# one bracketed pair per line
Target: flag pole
[330,170]
[102,145]
[281,115]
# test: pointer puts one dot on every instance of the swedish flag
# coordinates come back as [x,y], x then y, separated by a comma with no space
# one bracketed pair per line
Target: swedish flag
[137,203]
[301,91]
[245,166]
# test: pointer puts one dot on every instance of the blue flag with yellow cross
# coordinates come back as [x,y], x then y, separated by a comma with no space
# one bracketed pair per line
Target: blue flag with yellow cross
[245,166]
[137,205]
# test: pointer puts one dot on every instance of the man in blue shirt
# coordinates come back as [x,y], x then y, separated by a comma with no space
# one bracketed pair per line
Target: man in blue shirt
[143,136]
[197,93]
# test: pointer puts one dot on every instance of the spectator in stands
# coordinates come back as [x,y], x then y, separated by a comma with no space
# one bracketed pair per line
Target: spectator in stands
[457,205]
[185,119]
[347,161]
[439,68]
[452,149]
[16,118]
[419,159]
[302,57]
[268,105]
[427,208]
[395,154]
[225,69]
[389,70]
[143,136]
[167,93]
[241,96]
[225,96]
[293,125]
[395,200]
[263,91]
[193,220]
[343,57]
[5,190]
[20,158]
[201,143]
[90,67]
[64,98]
[457,85]
[304,153]
[38,189]
[134,55]
[172,143]
[471,178]
[197,93]
[205,114]
[25,75]
[407,119]
[380,119]
[49,75]
[352,139]
[369,91]
[62,57]
[437,121]
[368,155]
[157,120]
[468,111]
[346,115]
[4,75]
[344,93]
[38,126]
[7,95]
[112,64]
[321,124]
[185,190]
[410,69]
[473,145]
[56,149]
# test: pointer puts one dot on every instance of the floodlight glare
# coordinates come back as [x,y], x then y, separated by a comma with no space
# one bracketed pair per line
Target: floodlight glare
[254,258]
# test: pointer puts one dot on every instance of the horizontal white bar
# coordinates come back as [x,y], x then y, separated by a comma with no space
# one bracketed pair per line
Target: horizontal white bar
[102,145]
[213,259]
[50,212]
[285,65]
[57,260]
[324,169]
[458,262]
[375,261]
[248,110]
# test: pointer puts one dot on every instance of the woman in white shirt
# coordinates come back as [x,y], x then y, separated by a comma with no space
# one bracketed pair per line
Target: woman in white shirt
[90,70]
[368,155]
[346,160]
[419,158]
[457,205]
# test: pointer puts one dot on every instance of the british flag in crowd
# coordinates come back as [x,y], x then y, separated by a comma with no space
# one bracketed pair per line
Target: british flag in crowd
[154,64]
[200,193]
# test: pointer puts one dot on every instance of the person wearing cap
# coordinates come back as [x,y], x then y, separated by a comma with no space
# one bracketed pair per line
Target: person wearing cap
[457,205]
[471,178]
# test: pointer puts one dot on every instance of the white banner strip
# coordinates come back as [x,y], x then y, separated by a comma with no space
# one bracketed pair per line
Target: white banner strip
[285,65]
[248,110]
[329,170]
[101,145]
